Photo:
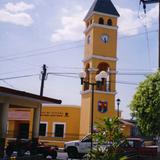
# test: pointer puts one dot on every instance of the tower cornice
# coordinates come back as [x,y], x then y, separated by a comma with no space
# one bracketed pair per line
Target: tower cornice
[97,91]
[100,26]
[100,14]
[99,57]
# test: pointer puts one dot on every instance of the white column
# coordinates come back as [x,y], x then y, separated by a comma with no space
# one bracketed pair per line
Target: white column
[36,121]
[3,126]
[3,119]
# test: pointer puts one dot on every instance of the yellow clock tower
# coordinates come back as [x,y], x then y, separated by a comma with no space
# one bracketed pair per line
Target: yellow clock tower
[99,55]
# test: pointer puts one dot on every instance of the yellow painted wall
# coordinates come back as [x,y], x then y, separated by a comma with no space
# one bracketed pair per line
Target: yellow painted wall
[127,130]
[69,115]
[85,115]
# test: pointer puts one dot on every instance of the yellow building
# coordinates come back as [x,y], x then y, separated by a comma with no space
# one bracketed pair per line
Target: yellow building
[60,123]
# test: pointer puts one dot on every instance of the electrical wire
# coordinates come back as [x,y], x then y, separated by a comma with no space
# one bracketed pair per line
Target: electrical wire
[64,49]
[17,77]
[71,75]
[52,46]
[8,84]
[140,34]
[148,44]
[17,71]
[118,73]
[41,49]
[119,82]
[144,23]
[40,54]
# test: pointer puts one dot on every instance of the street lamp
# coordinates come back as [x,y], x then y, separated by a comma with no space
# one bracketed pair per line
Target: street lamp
[99,80]
[118,103]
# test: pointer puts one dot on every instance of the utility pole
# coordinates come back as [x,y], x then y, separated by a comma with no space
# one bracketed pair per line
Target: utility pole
[144,7]
[44,77]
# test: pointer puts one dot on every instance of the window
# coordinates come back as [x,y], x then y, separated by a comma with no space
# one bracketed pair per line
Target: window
[91,21]
[86,85]
[43,129]
[109,22]
[101,21]
[86,139]
[89,39]
[87,24]
[59,130]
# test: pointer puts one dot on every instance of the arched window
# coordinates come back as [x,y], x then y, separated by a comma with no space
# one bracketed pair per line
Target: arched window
[109,22]
[89,39]
[91,21]
[101,20]
[86,86]
[87,24]
[106,85]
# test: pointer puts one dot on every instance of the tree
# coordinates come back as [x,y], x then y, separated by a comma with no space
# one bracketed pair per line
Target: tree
[145,106]
[108,139]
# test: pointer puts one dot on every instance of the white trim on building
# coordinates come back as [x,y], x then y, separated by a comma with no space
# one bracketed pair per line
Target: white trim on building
[44,122]
[64,129]
[97,91]
[99,57]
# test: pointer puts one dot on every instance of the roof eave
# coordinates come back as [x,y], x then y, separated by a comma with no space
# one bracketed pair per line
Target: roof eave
[42,99]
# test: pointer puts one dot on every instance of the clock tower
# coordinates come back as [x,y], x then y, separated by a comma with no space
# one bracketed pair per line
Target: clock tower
[99,55]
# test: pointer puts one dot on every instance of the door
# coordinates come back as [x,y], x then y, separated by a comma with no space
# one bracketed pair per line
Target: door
[23,130]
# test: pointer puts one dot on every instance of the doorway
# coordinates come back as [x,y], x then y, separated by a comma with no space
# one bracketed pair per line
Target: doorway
[23,130]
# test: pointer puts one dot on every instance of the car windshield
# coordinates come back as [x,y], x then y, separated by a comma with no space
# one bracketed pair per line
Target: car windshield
[86,139]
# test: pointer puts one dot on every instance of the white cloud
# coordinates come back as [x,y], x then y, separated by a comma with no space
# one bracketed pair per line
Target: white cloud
[72,25]
[18,7]
[17,18]
[14,13]
[130,23]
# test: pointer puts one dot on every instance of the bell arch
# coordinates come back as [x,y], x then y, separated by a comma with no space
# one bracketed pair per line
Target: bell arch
[86,85]
[101,20]
[109,22]
[106,86]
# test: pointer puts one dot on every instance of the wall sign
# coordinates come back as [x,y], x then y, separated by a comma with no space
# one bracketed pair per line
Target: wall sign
[102,106]
[55,114]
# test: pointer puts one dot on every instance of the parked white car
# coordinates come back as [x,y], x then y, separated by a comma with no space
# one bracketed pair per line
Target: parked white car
[78,148]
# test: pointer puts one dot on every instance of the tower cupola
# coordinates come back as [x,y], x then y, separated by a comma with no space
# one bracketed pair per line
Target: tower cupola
[103,7]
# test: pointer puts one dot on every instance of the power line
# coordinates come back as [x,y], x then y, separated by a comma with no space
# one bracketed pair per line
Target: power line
[140,34]
[119,82]
[57,44]
[41,49]
[70,75]
[8,84]
[17,77]
[40,54]
[64,49]
[17,71]
[118,73]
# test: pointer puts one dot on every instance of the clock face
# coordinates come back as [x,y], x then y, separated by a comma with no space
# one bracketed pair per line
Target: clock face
[105,38]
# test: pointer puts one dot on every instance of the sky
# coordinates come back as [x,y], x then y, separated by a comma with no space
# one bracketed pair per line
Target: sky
[37,32]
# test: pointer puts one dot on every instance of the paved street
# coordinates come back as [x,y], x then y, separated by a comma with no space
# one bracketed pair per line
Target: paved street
[62,156]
